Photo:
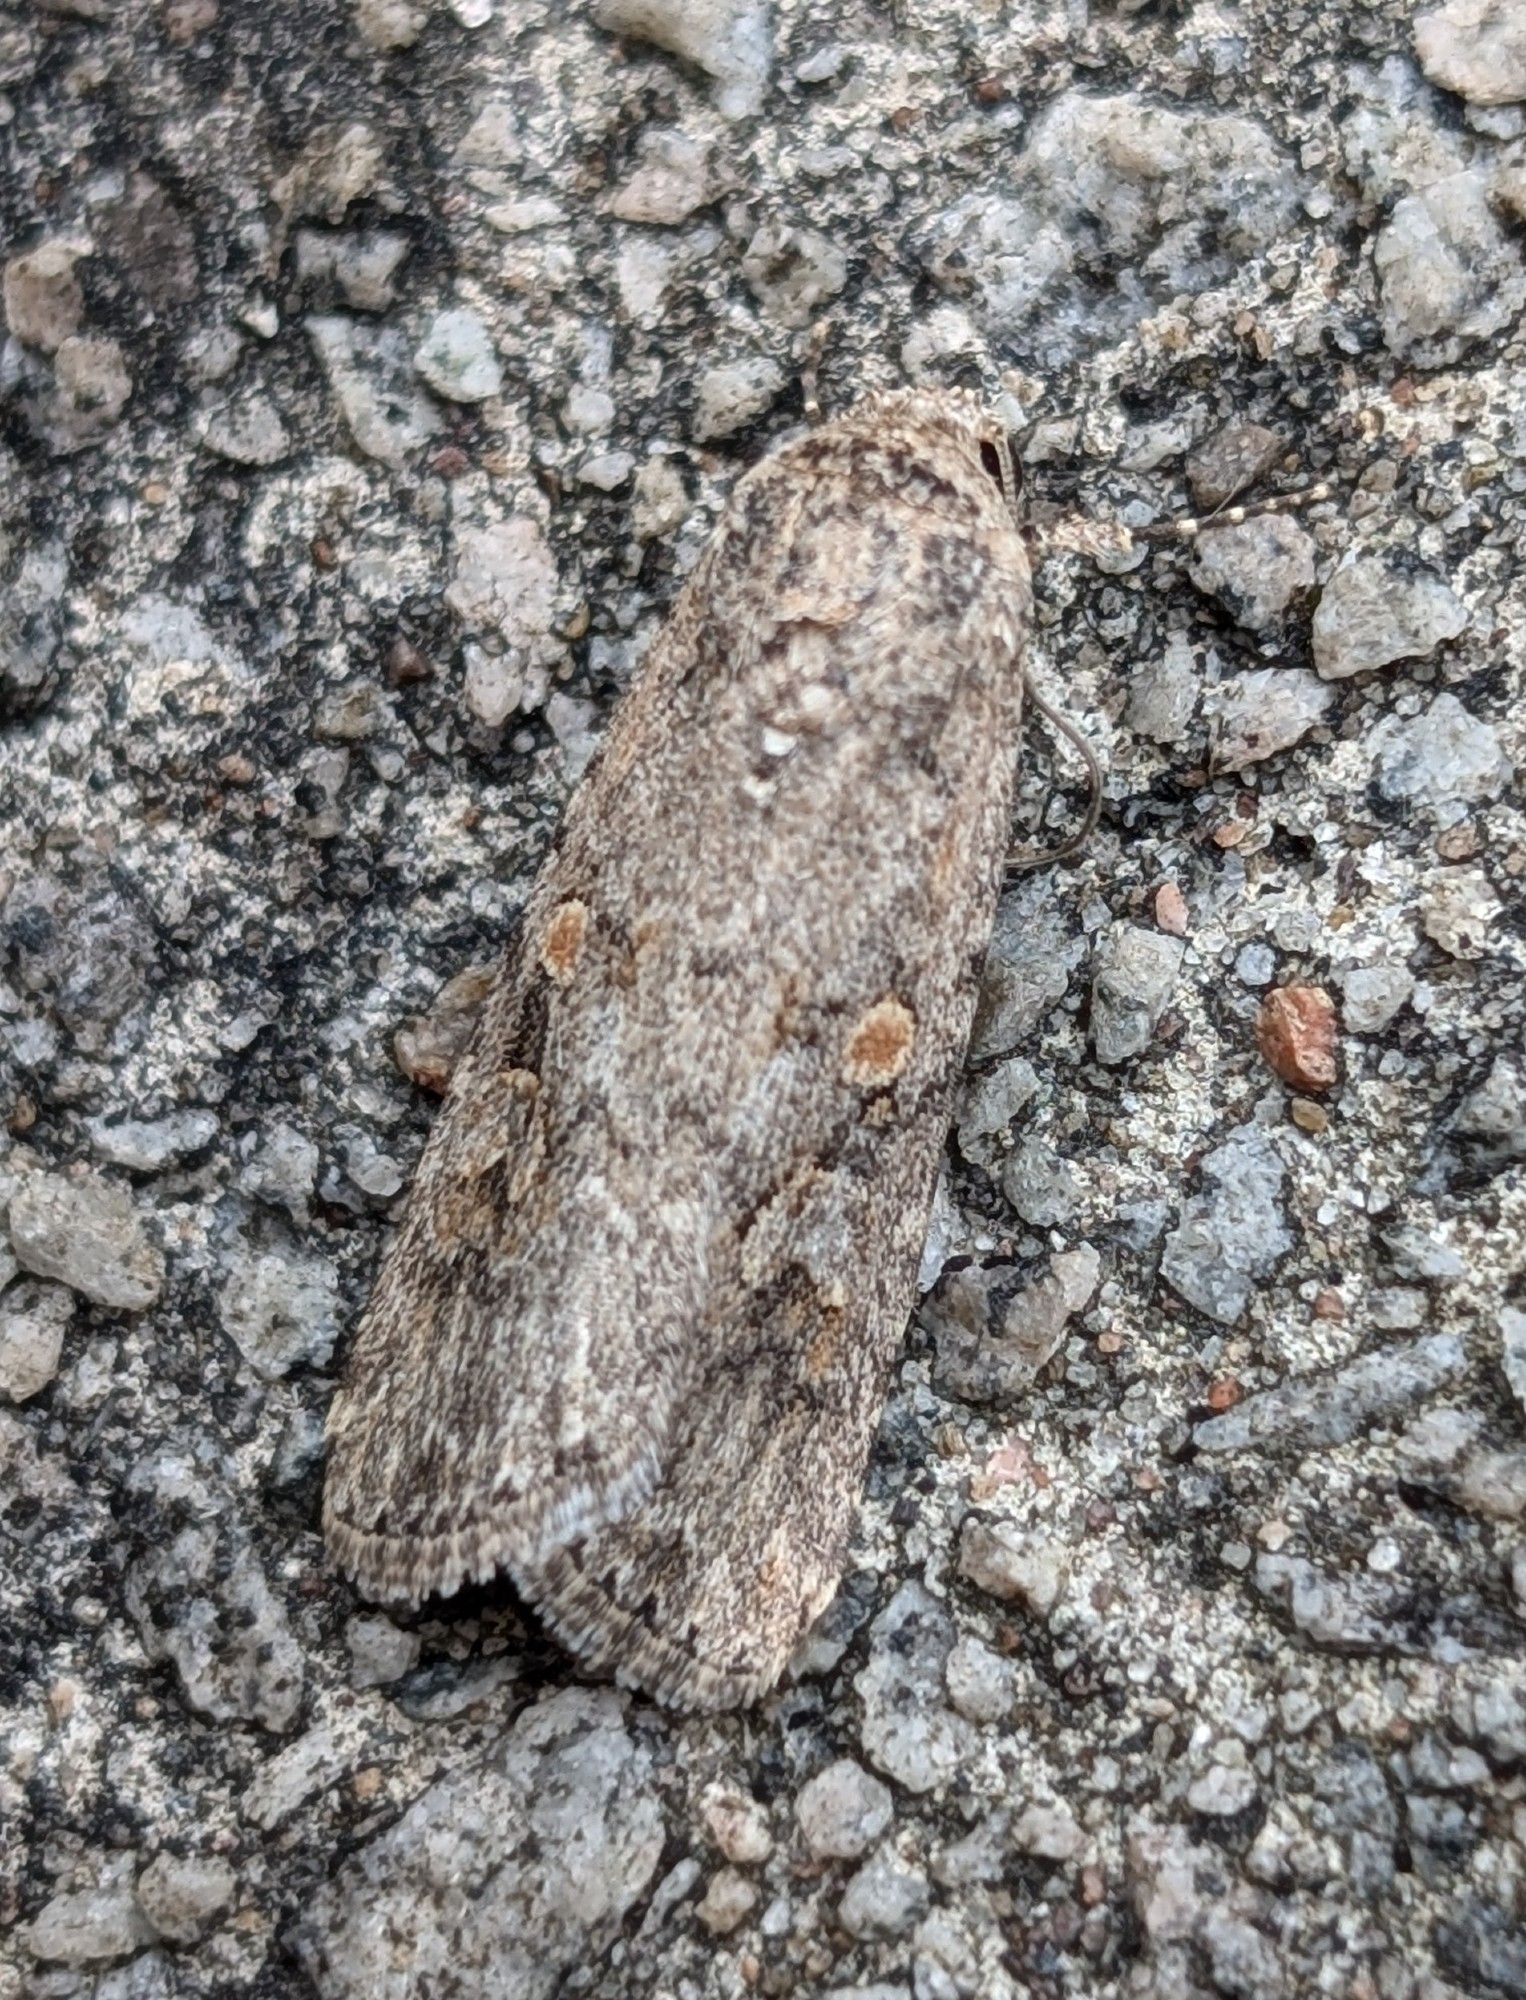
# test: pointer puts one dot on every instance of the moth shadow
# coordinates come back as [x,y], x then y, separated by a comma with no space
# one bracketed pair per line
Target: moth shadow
[482,1638]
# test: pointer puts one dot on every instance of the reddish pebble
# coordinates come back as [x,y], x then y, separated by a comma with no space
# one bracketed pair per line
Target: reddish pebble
[1296,1033]
[1171,909]
[1223,1394]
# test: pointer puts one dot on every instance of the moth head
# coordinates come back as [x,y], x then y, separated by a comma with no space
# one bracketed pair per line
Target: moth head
[999,459]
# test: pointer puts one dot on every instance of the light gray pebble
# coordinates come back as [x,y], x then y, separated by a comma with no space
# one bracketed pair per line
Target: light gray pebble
[660,503]
[1438,1766]
[879,1989]
[33,1321]
[1049,1832]
[352,713]
[607,471]
[793,271]
[1040,1185]
[1493,1117]
[842,1811]
[1490,1710]
[93,385]
[1222,1790]
[906,1730]
[1447,272]
[734,394]
[493,685]
[201,1601]
[1255,964]
[1512,1333]
[671,179]
[1135,977]
[739,1826]
[1257,569]
[988,1106]
[246,430]
[457,358]
[981,1684]
[1034,949]
[1416,1253]
[1014,1564]
[182,1895]
[1163,695]
[822,64]
[370,372]
[282,1785]
[280,1307]
[145,1146]
[1459,909]
[1233,1234]
[945,1965]
[321,775]
[1491,1483]
[1475,47]
[1441,759]
[86,1232]
[372,1170]
[44,302]
[1119,175]
[87,1927]
[1348,1613]
[504,580]
[283,1170]
[729,1900]
[526,1859]
[588,410]
[885,1899]
[675,1887]
[1319,1411]
[364,266]
[380,1652]
[1396,1308]
[33,579]
[730,40]
[1259,715]
[1371,995]
[1370,615]
[980,1856]
[1242,1960]
[994,1327]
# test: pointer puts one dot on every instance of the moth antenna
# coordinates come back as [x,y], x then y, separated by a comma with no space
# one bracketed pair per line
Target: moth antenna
[1188,526]
[814,348]
[1063,726]
[1078,535]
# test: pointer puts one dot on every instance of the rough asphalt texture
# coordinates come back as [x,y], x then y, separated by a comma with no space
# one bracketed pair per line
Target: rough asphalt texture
[371,373]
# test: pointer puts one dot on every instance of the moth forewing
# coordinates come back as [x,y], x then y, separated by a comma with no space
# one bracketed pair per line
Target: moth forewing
[632,1339]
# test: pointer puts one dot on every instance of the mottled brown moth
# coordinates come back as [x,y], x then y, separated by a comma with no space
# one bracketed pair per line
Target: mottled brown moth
[632,1338]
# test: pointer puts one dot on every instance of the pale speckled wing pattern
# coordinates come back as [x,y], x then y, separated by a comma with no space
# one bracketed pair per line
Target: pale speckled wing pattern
[632,1338]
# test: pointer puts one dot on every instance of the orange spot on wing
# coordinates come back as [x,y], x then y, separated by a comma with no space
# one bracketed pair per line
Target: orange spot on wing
[564,939]
[880,1045]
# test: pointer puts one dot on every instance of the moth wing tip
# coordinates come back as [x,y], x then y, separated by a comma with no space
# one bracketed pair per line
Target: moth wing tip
[608,1639]
[404,1569]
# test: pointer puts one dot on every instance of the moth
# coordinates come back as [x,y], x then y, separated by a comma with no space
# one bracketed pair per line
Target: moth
[632,1338]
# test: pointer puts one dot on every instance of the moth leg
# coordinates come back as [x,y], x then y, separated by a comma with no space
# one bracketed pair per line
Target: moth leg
[1017,863]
